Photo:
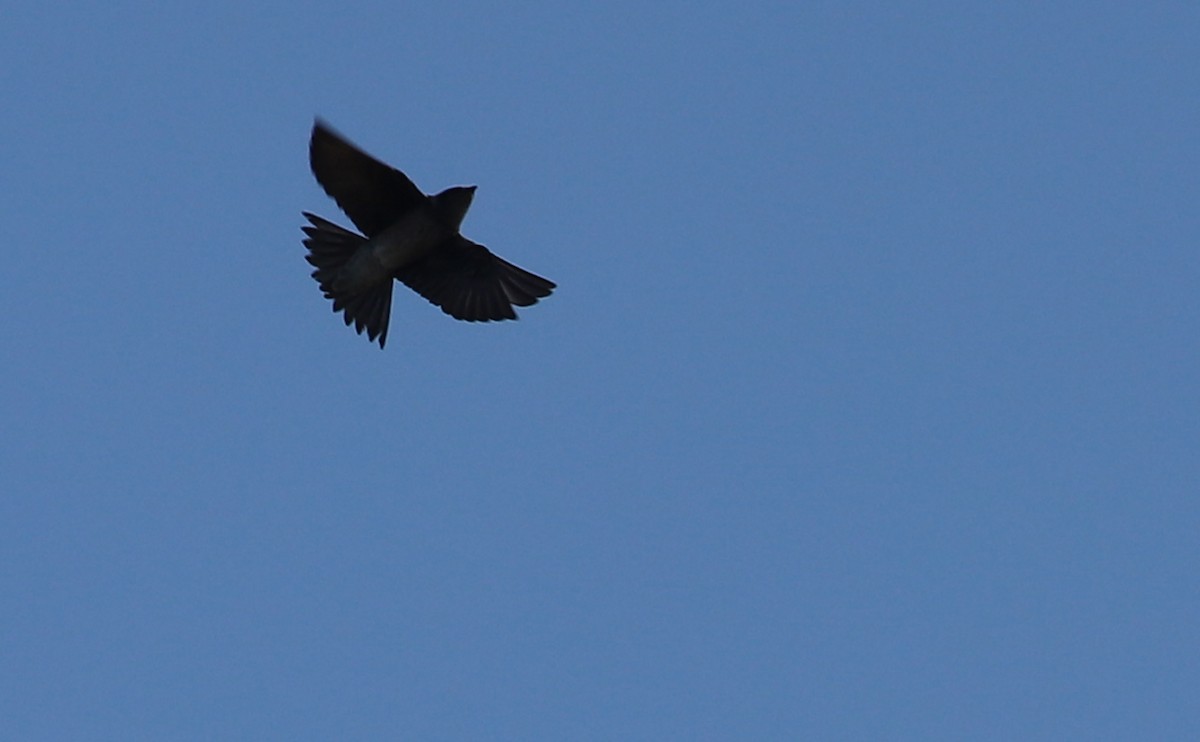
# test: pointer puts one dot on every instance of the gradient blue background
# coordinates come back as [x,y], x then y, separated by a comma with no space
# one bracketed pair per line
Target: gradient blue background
[866,407]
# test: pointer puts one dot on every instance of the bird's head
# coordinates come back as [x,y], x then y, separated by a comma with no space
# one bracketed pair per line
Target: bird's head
[451,204]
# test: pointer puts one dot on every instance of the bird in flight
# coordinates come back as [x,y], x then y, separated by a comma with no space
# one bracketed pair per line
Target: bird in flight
[409,237]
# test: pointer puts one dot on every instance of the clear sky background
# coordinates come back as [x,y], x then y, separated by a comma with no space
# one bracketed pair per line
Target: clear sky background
[866,407]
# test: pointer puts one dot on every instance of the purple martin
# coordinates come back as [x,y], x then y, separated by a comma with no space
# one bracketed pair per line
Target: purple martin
[409,237]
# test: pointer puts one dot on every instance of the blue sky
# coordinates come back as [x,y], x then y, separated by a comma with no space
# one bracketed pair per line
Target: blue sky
[866,407]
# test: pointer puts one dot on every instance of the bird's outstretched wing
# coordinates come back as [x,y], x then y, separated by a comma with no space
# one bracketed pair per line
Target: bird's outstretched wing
[372,194]
[468,282]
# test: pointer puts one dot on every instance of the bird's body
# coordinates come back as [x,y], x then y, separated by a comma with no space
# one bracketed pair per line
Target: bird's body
[409,237]
[404,243]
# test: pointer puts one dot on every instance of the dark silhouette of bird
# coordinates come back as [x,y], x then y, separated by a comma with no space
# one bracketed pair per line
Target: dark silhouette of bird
[410,237]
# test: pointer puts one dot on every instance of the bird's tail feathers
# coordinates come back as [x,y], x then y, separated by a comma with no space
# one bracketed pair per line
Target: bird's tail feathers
[330,247]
